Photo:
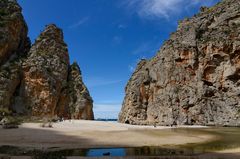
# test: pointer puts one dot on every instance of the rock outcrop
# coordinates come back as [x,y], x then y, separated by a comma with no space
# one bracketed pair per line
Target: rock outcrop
[38,80]
[75,100]
[13,30]
[44,72]
[194,78]
[14,45]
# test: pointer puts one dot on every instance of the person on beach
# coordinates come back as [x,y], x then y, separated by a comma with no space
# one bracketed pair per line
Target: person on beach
[154,124]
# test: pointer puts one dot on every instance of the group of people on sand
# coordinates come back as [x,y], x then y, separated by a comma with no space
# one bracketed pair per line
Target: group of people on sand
[62,119]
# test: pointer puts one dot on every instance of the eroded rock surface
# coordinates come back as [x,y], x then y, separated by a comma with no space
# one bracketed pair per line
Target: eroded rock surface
[44,72]
[14,45]
[195,77]
[38,80]
[79,103]
[13,30]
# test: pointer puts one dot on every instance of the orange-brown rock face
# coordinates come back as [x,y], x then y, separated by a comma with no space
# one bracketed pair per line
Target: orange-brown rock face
[195,77]
[13,30]
[14,45]
[50,86]
[44,72]
[39,82]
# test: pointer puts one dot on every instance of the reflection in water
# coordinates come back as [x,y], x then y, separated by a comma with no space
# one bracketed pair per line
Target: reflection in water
[227,138]
[106,152]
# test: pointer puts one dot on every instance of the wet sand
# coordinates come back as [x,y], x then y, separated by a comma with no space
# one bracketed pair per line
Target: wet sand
[87,134]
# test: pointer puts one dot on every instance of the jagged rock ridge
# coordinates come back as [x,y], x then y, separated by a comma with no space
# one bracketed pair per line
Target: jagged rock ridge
[194,78]
[38,80]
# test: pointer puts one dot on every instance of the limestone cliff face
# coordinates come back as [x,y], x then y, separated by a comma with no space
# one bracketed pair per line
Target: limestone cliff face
[80,103]
[13,30]
[195,77]
[44,72]
[14,45]
[37,81]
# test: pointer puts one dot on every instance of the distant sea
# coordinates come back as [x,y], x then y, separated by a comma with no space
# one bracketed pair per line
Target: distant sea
[101,119]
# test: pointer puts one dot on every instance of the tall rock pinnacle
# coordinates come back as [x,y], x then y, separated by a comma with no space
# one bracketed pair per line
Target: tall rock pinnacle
[38,81]
[45,71]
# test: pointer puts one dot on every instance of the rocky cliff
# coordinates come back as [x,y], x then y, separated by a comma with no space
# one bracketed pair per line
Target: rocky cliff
[14,45]
[76,96]
[38,80]
[195,77]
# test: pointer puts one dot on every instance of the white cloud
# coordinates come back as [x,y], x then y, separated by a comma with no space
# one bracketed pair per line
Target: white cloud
[99,81]
[106,107]
[109,102]
[155,8]
[106,110]
[160,8]
[79,23]
[163,8]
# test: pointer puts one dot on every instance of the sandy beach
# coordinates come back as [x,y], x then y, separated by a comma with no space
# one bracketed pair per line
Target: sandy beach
[99,134]
[87,134]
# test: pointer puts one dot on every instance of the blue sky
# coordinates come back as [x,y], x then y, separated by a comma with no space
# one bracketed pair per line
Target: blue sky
[108,37]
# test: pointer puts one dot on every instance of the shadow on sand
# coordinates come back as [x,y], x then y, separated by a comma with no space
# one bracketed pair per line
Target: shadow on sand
[25,142]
